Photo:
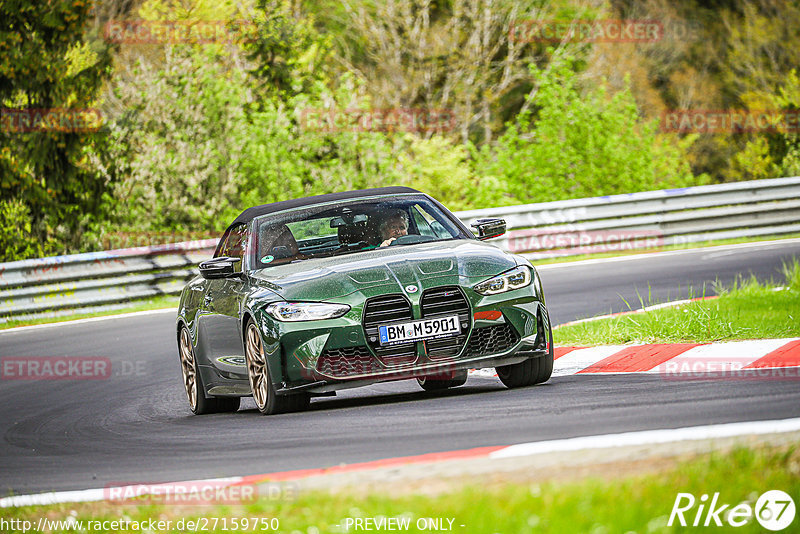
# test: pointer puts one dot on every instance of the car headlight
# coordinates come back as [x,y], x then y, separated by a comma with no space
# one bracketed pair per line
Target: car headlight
[516,278]
[305,311]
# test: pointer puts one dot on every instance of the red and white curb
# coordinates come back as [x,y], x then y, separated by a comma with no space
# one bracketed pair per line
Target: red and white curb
[735,359]
[607,441]
[742,357]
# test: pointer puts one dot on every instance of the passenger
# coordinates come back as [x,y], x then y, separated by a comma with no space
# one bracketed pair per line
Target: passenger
[392,226]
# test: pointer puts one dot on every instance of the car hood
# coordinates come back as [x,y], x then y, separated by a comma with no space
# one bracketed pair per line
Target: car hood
[460,261]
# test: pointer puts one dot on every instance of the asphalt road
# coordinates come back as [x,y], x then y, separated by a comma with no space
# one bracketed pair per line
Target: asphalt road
[136,425]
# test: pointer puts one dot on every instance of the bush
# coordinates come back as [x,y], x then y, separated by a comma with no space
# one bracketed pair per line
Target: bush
[16,240]
[580,145]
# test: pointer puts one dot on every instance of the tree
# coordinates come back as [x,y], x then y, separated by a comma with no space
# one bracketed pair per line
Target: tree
[48,61]
[462,55]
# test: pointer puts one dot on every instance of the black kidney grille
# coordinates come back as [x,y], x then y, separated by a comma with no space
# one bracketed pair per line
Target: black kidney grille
[386,310]
[492,339]
[446,301]
[348,361]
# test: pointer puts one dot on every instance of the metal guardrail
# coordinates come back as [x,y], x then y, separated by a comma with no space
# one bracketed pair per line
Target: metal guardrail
[106,280]
[649,219]
[95,281]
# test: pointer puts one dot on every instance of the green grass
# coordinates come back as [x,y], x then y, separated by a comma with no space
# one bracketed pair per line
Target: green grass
[687,246]
[748,310]
[609,504]
[156,303]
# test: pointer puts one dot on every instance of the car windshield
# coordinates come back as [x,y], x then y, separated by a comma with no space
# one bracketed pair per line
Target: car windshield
[349,227]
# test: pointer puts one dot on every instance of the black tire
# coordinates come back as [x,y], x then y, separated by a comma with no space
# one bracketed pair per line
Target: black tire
[443,381]
[199,403]
[267,401]
[529,372]
[546,364]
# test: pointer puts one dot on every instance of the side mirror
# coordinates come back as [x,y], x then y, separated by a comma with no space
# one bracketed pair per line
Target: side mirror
[488,228]
[222,267]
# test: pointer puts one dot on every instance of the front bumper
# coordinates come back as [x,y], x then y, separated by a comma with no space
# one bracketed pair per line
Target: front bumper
[324,356]
[328,385]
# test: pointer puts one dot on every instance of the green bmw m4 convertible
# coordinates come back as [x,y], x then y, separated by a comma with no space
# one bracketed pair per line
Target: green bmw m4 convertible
[308,296]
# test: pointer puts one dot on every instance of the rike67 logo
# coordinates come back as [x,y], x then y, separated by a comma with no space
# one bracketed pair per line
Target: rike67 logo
[774,510]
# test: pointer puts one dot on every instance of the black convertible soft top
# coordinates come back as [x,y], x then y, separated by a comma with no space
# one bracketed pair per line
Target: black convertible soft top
[256,211]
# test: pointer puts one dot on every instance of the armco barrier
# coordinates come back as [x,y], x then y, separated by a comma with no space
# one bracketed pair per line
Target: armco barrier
[103,280]
[97,280]
[649,219]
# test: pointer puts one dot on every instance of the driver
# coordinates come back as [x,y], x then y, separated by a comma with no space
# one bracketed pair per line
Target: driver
[393,225]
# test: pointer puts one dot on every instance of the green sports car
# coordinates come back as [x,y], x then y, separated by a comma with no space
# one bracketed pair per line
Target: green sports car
[308,296]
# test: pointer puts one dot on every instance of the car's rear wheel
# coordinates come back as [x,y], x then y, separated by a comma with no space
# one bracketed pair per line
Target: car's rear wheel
[528,372]
[267,401]
[193,382]
[443,381]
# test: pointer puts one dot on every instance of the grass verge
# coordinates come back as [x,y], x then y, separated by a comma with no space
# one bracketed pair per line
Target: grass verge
[632,503]
[748,310]
[156,303]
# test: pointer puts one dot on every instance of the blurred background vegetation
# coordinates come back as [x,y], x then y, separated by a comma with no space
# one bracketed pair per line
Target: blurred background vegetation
[195,132]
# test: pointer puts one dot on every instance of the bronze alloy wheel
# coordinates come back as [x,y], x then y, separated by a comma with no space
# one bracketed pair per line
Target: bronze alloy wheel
[193,381]
[188,368]
[257,367]
[267,401]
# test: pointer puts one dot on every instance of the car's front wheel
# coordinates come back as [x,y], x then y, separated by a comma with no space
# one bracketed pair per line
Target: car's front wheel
[528,372]
[267,401]
[193,382]
[443,381]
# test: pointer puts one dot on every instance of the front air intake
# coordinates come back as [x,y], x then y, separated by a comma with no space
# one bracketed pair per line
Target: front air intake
[492,340]
[348,361]
[441,301]
[387,310]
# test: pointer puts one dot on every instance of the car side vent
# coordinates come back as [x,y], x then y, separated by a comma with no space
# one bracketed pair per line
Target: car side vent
[446,301]
[386,310]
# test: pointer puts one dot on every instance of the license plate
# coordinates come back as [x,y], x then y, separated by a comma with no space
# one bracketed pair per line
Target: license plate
[392,334]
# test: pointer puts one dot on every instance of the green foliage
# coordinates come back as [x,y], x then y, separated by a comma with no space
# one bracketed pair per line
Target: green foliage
[440,169]
[287,53]
[788,100]
[287,154]
[48,61]
[16,240]
[580,143]
[193,134]
[754,161]
[172,150]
